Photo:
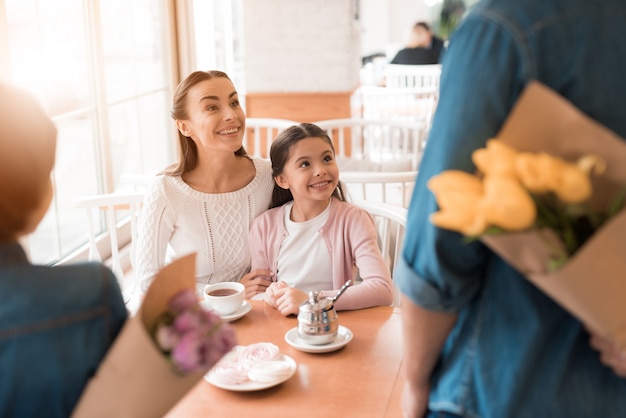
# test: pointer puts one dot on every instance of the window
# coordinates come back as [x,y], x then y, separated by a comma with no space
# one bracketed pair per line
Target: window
[218,34]
[103,71]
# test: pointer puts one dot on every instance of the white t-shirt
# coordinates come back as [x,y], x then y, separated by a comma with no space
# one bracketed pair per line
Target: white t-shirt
[303,258]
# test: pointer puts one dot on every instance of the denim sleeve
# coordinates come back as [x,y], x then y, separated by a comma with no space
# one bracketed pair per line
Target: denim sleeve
[483,73]
[115,301]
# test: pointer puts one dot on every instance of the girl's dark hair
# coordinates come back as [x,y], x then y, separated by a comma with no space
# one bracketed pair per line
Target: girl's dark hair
[279,154]
[187,149]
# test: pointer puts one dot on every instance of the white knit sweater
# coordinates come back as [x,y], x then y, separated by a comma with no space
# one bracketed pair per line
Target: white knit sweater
[178,220]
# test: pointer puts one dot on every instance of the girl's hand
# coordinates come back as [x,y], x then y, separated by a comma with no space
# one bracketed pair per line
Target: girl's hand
[288,299]
[610,354]
[257,281]
[270,294]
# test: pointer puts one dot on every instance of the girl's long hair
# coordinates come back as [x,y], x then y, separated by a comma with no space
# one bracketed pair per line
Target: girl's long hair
[279,154]
[187,149]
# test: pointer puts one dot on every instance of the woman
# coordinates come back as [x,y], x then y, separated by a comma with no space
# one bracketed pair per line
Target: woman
[206,201]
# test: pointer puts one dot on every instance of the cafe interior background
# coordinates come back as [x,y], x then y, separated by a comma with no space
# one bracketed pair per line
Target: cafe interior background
[106,70]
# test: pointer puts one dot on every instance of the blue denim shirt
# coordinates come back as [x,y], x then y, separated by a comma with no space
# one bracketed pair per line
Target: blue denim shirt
[56,324]
[513,352]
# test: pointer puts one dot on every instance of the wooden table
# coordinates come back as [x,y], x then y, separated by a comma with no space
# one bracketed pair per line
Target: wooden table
[360,380]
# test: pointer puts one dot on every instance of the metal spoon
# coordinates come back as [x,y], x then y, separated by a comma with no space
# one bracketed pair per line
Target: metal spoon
[343,289]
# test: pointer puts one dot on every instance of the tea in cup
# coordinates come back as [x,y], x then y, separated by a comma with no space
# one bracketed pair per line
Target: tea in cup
[224,298]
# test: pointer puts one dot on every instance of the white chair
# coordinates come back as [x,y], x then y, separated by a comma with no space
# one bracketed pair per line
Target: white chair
[377,186]
[397,75]
[391,224]
[126,207]
[377,145]
[136,182]
[391,103]
[260,132]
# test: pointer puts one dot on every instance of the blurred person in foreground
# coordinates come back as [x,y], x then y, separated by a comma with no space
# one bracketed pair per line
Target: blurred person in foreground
[480,340]
[56,323]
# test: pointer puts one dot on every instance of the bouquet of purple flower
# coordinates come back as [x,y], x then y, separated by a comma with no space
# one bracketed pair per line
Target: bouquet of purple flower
[191,337]
[169,329]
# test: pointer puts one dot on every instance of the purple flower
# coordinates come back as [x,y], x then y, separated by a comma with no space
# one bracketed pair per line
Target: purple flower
[218,344]
[182,301]
[192,337]
[187,321]
[187,354]
[209,319]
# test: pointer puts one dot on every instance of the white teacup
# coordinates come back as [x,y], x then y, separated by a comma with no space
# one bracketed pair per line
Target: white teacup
[224,298]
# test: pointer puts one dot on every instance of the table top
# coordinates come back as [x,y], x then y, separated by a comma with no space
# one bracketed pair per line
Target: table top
[362,379]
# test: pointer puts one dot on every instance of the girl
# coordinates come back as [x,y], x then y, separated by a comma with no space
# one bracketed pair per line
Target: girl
[206,202]
[311,238]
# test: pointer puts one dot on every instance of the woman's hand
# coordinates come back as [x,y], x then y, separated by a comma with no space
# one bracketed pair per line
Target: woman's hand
[257,281]
[610,354]
[284,298]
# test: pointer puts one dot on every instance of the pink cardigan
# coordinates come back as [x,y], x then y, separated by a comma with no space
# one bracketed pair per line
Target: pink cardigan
[350,235]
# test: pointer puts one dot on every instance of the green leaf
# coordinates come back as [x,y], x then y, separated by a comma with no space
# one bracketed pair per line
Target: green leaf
[618,203]
[494,230]
[557,262]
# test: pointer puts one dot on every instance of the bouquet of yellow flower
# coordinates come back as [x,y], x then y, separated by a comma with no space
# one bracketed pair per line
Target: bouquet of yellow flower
[547,198]
[515,191]
[160,353]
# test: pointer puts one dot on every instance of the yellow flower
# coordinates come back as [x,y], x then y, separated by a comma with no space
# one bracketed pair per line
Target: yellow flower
[572,184]
[535,171]
[458,195]
[592,163]
[541,173]
[507,204]
[496,158]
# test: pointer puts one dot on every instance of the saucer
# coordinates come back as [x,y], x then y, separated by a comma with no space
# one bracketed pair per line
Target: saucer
[344,336]
[288,364]
[243,309]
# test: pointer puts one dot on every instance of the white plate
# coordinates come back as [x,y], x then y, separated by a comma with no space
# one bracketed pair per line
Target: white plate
[243,309]
[249,385]
[344,336]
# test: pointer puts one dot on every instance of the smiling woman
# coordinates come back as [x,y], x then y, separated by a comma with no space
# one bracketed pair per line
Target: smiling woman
[205,203]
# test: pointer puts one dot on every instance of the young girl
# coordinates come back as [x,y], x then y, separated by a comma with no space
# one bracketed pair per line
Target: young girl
[311,238]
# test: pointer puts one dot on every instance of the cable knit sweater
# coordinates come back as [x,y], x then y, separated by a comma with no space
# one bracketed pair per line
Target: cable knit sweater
[350,235]
[179,220]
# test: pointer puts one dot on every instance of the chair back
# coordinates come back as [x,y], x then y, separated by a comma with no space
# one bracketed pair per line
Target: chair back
[260,132]
[115,213]
[376,145]
[379,186]
[398,75]
[396,103]
[390,224]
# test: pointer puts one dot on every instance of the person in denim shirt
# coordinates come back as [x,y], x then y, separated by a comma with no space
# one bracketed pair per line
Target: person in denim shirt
[56,323]
[480,340]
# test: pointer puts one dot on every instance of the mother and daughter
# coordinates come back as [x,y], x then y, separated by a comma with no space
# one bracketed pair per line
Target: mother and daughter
[214,202]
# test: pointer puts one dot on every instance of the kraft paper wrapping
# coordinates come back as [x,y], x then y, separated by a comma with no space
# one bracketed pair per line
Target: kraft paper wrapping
[135,379]
[592,285]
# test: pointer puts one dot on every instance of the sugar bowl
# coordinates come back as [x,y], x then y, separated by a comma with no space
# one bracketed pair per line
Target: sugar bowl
[317,318]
